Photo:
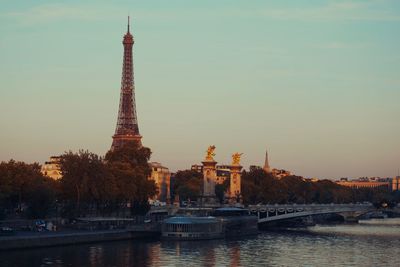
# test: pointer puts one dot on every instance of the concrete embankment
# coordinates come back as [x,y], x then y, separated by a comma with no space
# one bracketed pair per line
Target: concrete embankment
[47,239]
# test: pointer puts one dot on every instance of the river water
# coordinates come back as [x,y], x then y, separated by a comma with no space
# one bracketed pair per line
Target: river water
[337,245]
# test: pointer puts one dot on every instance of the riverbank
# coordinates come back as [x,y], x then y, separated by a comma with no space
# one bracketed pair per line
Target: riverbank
[48,239]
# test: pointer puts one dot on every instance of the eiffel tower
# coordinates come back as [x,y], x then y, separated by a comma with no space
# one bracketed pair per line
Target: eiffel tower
[127,125]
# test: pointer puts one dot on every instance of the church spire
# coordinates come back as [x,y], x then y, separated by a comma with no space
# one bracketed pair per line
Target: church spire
[266,168]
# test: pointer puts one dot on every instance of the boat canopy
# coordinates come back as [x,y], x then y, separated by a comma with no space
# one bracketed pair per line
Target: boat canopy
[190,220]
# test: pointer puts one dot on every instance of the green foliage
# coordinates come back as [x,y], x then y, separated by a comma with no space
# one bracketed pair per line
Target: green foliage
[22,183]
[42,198]
[130,169]
[132,153]
[261,187]
[220,190]
[107,185]
[6,177]
[85,178]
[188,184]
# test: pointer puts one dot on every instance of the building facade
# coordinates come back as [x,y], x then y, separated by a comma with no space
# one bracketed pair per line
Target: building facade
[280,173]
[396,183]
[197,168]
[365,182]
[222,172]
[162,178]
[52,168]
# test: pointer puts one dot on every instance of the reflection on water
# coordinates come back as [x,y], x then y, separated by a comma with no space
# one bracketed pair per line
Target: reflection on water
[341,245]
[369,231]
[388,221]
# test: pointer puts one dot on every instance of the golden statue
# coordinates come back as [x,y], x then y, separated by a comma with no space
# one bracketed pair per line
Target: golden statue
[210,153]
[236,158]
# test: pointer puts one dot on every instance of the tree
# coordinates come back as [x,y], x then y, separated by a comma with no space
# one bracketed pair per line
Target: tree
[22,184]
[101,185]
[188,184]
[130,169]
[259,186]
[84,176]
[41,197]
[220,189]
[5,185]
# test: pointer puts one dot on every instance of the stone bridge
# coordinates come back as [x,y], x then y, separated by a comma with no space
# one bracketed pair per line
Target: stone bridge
[269,213]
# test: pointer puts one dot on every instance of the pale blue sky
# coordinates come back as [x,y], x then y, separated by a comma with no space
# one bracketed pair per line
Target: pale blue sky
[317,82]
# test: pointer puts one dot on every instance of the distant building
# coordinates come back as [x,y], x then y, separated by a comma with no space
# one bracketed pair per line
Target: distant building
[277,173]
[162,178]
[280,173]
[197,168]
[52,168]
[223,171]
[396,183]
[254,167]
[365,182]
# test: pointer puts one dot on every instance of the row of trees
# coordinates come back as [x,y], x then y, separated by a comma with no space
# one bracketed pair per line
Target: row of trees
[107,185]
[24,188]
[261,187]
[118,182]
[90,184]
[188,185]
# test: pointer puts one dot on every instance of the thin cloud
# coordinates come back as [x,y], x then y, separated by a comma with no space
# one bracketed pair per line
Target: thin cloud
[367,10]
[54,12]
[374,10]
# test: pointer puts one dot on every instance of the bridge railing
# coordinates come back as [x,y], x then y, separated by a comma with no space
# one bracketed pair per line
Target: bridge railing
[264,212]
[261,207]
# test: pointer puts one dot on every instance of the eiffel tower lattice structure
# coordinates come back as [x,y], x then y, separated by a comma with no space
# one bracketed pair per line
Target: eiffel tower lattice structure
[127,124]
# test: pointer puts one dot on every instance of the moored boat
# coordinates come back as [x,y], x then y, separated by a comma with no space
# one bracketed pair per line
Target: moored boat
[224,222]
[192,228]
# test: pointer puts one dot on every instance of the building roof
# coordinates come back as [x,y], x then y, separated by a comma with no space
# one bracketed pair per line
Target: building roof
[191,220]
[157,165]
[230,209]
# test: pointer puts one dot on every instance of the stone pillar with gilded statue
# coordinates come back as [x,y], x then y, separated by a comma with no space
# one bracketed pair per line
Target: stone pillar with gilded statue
[235,192]
[209,173]
[209,177]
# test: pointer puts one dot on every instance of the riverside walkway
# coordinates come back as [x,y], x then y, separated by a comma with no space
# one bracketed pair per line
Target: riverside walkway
[85,230]
[70,237]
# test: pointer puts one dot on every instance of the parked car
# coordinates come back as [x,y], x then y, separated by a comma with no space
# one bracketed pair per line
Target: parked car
[6,231]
